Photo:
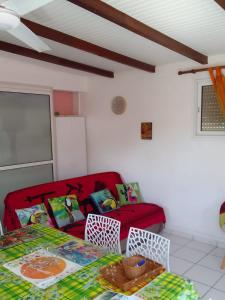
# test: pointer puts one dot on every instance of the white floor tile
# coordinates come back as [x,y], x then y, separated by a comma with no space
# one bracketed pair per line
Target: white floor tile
[221,245]
[174,247]
[218,252]
[200,246]
[204,239]
[182,234]
[203,275]
[212,262]
[179,266]
[189,254]
[165,234]
[201,288]
[178,240]
[220,285]
[214,295]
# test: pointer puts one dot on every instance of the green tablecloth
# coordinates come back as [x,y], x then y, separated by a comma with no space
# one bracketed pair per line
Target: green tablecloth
[80,285]
[169,286]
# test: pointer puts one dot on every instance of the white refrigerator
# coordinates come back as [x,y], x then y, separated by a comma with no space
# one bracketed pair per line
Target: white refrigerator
[71,152]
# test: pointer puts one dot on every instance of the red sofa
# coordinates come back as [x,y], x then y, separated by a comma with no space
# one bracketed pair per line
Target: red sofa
[143,215]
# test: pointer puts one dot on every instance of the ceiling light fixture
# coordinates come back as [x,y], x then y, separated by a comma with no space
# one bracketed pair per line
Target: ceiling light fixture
[8,19]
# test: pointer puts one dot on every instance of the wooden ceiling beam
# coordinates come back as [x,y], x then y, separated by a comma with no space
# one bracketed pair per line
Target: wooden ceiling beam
[77,43]
[221,3]
[114,15]
[7,47]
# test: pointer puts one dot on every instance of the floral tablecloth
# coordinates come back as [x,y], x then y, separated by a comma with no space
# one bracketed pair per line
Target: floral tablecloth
[81,285]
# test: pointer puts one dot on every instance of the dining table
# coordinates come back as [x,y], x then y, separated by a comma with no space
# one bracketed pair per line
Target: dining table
[83,284]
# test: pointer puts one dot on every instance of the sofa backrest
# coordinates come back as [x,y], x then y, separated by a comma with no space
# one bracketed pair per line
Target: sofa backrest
[80,186]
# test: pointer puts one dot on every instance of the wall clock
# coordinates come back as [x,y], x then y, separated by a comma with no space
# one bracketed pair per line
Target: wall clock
[118,105]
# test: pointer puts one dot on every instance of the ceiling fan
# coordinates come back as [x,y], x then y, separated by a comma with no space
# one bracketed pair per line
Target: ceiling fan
[10,13]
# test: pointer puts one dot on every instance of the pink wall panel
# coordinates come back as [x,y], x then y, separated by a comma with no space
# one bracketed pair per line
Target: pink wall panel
[66,103]
[76,110]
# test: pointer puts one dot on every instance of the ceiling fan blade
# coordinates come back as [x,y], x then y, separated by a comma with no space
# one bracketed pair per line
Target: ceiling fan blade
[25,6]
[24,34]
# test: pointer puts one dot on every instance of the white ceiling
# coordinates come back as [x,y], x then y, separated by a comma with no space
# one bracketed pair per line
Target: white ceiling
[198,24]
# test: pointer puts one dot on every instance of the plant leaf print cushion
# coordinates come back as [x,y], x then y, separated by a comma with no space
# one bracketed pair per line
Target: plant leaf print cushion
[129,193]
[66,210]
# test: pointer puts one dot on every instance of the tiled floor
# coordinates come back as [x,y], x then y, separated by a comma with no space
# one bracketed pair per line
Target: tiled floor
[199,262]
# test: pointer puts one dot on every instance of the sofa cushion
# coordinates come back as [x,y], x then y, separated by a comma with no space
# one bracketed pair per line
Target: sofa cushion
[77,229]
[140,215]
[33,215]
[87,207]
[104,201]
[65,210]
[155,218]
[129,193]
[128,214]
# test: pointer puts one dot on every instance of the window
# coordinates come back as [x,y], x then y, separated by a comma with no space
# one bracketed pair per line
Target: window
[26,145]
[210,119]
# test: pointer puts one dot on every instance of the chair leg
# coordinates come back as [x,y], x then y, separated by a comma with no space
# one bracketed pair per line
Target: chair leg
[1,229]
[223,263]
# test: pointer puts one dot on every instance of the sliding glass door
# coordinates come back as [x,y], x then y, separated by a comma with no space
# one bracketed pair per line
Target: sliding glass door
[26,147]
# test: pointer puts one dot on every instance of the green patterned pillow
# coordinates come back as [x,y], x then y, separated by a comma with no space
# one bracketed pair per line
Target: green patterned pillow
[33,215]
[103,201]
[129,193]
[66,210]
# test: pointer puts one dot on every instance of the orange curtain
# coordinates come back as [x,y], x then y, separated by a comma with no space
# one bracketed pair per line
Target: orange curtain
[218,82]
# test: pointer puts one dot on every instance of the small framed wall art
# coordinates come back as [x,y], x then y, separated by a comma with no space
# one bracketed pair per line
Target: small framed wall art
[146,130]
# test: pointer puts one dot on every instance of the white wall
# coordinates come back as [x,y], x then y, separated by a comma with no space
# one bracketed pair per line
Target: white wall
[17,70]
[21,70]
[178,170]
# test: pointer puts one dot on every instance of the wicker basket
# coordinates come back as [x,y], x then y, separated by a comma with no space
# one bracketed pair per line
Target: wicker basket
[131,269]
[115,273]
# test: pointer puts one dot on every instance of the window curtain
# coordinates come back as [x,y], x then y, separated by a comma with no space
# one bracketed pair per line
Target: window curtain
[218,81]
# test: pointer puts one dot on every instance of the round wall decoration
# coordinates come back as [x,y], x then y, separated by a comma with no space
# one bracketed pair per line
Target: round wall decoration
[118,105]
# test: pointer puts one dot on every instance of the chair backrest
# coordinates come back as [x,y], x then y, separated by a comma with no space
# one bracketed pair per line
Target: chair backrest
[104,232]
[1,229]
[148,244]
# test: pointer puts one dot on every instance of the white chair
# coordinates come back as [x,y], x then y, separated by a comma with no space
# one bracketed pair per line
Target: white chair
[1,229]
[103,231]
[148,244]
